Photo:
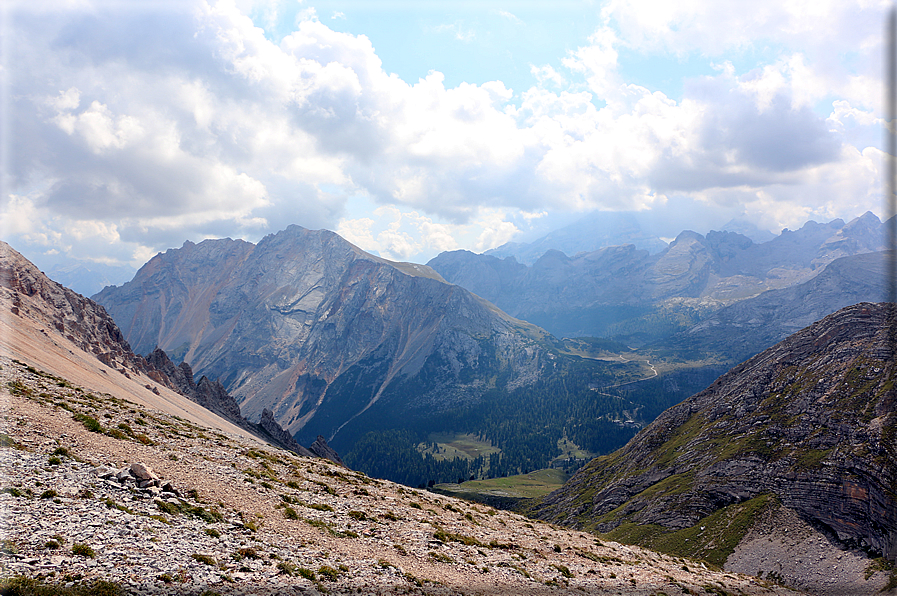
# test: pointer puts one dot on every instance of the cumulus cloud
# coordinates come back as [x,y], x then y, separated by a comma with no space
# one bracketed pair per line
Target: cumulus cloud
[146,126]
[398,235]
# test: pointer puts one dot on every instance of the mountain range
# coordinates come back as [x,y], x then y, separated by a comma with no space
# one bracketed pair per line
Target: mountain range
[320,332]
[802,433]
[336,342]
[340,343]
[641,297]
[113,483]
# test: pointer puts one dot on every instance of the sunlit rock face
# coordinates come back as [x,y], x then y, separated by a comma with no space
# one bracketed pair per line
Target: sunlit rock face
[316,330]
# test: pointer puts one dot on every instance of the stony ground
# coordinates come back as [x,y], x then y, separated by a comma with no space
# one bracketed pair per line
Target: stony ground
[229,517]
[782,545]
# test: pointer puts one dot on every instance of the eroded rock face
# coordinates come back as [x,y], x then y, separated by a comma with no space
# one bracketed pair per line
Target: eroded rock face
[812,420]
[312,328]
[270,425]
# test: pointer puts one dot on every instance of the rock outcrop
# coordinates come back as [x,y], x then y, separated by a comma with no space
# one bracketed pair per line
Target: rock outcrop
[214,397]
[322,449]
[810,422]
[282,437]
[85,323]
[209,394]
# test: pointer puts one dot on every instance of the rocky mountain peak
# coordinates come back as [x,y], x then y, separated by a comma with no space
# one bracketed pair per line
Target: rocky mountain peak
[280,322]
[32,294]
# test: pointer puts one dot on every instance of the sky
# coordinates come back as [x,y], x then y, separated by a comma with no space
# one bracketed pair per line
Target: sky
[414,127]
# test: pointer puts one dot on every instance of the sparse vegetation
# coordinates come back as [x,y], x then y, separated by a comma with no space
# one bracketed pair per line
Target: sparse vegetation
[440,557]
[563,570]
[328,573]
[204,559]
[26,586]
[83,550]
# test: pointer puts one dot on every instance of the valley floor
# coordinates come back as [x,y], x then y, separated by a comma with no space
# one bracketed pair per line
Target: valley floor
[234,518]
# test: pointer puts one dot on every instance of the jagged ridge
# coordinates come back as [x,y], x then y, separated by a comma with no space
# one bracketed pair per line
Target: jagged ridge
[602,292]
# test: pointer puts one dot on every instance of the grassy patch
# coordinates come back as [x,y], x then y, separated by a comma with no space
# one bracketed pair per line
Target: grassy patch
[443,536]
[712,539]
[207,515]
[83,550]
[448,446]
[204,559]
[440,557]
[321,524]
[91,424]
[811,458]
[327,572]
[27,586]
[531,485]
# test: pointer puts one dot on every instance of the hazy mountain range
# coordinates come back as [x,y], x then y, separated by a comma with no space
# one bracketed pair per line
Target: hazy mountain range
[627,292]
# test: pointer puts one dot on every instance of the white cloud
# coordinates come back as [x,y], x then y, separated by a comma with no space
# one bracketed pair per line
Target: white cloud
[496,230]
[510,16]
[399,235]
[206,126]
[546,73]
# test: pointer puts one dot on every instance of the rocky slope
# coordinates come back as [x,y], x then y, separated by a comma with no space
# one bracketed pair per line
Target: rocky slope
[319,332]
[809,424]
[619,289]
[26,293]
[218,515]
[31,300]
